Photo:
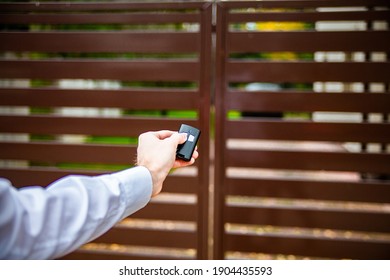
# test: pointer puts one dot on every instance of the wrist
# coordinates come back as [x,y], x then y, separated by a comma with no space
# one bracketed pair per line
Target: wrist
[155,174]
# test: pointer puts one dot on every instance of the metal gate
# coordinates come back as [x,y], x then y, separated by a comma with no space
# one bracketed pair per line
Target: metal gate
[302,133]
[81,81]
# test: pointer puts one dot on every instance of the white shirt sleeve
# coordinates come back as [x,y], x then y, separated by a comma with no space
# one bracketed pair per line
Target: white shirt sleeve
[39,223]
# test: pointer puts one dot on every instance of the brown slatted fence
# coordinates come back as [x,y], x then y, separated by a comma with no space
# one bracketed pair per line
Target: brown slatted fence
[302,131]
[80,81]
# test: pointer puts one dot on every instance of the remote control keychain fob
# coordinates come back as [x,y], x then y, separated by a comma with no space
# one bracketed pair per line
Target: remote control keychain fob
[184,151]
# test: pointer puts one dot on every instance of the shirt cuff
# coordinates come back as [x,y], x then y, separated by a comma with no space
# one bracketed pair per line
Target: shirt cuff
[136,188]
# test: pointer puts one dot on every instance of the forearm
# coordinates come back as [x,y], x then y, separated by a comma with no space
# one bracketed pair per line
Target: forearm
[39,224]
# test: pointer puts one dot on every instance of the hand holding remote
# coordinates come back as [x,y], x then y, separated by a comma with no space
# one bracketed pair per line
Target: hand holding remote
[156,151]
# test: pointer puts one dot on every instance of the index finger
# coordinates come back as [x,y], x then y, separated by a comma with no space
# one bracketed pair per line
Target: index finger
[162,134]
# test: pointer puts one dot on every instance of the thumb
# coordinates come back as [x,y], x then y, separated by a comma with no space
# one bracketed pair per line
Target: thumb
[179,138]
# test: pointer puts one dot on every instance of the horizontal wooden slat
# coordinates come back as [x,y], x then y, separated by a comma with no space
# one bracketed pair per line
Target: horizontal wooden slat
[371,191]
[181,184]
[303,246]
[288,216]
[144,237]
[307,101]
[90,254]
[308,41]
[43,176]
[308,16]
[125,126]
[68,153]
[137,70]
[95,42]
[308,130]
[302,3]
[141,99]
[256,71]
[98,6]
[165,211]
[336,161]
[99,18]
[21,177]
[57,153]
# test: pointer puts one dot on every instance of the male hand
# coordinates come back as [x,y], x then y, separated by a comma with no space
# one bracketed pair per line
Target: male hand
[157,152]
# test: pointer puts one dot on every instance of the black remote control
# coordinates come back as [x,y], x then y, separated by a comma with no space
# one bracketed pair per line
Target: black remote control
[184,151]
